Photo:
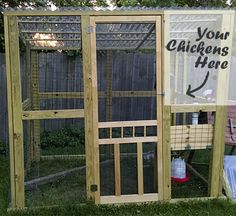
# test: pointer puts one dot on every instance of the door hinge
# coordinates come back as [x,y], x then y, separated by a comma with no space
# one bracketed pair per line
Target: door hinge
[90,29]
[93,188]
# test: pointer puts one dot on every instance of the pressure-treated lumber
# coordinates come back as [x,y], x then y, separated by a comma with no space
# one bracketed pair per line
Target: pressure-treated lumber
[167,152]
[183,108]
[216,165]
[159,163]
[127,123]
[15,109]
[126,140]
[101,94]
[140,167]
[10,114]
[117,13]
[90,107]
[134,198]
[117,170]
[53,114]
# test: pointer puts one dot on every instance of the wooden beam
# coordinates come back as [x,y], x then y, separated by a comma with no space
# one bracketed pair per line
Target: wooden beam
[216,165]
[101,94]
[159,161]
[15,108]
[126,140]
[183,108]
[216,171]
[10,113]
[53,114]
[117,169]
[125,19]
[62,95]
[116,12]
[91,108]
[134,198]
[140,167]
[167,152]
[127,123]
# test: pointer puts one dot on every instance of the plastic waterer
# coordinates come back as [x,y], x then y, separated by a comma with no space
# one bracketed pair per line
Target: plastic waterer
[178,168]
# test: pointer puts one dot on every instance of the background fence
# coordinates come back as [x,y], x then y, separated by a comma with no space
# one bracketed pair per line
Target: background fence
[131,71]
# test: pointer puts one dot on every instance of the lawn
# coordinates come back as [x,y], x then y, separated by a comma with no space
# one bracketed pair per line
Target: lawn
[202,208]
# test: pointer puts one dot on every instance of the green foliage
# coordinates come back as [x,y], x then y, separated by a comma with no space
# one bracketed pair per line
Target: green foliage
[82,3]
[169,3]
[4,184]
[2,148]
[63,138]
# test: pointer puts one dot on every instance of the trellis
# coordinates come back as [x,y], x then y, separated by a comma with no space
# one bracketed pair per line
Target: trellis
[74,29]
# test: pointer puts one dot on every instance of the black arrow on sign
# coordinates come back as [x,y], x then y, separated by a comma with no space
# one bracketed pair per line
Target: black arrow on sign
[189,91]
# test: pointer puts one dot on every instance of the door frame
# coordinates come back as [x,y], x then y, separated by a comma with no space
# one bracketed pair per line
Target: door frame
[92,159]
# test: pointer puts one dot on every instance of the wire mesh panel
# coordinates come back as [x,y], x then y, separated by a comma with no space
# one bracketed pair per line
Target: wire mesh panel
[191,141]
[59,176]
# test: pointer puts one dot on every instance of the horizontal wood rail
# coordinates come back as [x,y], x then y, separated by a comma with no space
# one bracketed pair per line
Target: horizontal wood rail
[52,114]
[183,108]
[125,140]
[140,123]
[101,94]
[134,198]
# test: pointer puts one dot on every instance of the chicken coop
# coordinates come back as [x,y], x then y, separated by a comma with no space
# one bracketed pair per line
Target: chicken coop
[102,100]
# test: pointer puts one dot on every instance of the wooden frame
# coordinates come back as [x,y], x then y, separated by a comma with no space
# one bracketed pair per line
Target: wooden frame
[14,112]
[18,111]
[139,140]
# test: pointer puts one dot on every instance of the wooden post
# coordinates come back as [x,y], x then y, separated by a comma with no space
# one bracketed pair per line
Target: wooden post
[90,108]
[35,101]
[166,152]
[117,169]
[217,160]
[184,81]
[140,167]
[14,111]
[216,165]
[166,113]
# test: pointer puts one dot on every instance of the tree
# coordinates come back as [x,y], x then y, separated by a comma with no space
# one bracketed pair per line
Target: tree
[169,3]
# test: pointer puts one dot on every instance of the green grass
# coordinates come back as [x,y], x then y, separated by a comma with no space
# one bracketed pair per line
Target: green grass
[4,184]
[47,167]
[201,208]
